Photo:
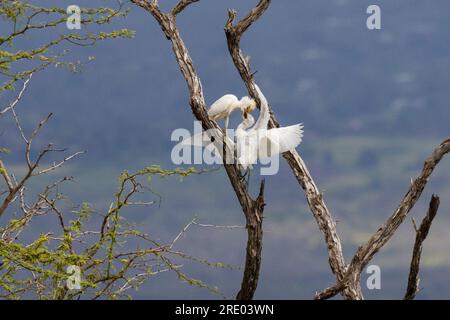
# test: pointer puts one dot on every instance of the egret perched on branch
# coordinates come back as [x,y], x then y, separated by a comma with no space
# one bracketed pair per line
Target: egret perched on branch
[253,140]
[257,143]
[260,142]
[224,106]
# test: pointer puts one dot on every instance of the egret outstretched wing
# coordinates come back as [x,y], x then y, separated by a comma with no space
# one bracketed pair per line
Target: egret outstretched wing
[279,140]
[211,140]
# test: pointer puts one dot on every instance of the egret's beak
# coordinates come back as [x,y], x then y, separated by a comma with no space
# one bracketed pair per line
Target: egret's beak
[245,114]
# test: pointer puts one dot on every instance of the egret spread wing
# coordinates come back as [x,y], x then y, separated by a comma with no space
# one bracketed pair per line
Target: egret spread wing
[279,140]
[211,140]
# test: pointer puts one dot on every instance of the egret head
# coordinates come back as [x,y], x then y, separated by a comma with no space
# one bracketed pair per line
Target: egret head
[245,114]
[247,104]
[247,120]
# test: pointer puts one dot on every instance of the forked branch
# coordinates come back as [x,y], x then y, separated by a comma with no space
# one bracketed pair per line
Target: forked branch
[253,209]
[181,6]
[315,199]
[15,187]
[365,253]
[348,277]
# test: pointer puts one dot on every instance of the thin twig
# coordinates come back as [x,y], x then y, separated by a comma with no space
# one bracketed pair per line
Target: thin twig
[182,232]
[217,226]
[60,164]
[13,104]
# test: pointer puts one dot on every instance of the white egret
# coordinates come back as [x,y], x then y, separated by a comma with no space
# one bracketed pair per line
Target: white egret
[253,140]
[246,143]
[260,142]
[257,143]
[224,106]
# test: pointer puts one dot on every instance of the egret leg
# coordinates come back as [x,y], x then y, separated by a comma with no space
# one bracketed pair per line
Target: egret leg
[247,173]
[244,175]
[227,119]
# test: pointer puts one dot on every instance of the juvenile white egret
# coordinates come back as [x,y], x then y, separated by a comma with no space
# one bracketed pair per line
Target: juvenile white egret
[258,141]
[224,106]
[262,143]
[247,151]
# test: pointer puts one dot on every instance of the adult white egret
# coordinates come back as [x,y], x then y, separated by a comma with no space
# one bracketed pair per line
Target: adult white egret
[224,106]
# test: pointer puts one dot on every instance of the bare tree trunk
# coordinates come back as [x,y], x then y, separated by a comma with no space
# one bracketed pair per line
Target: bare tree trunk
[253,209]
[347,276]
[315,199]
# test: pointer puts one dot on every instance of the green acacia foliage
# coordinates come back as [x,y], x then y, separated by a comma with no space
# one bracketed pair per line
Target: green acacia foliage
[99,247]
[113,255]
[20,19]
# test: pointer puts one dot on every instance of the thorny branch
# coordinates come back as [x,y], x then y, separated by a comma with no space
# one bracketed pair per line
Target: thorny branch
[16,187]
[74,246]
[24,18]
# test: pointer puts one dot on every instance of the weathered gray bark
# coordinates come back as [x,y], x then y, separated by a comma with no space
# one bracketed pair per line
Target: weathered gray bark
[253,209]
[366,252]
[315,199]
[421,235]
[347,276]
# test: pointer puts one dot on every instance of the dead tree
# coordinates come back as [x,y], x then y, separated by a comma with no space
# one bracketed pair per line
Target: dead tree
[347,276]
[253,208]
[314,198]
